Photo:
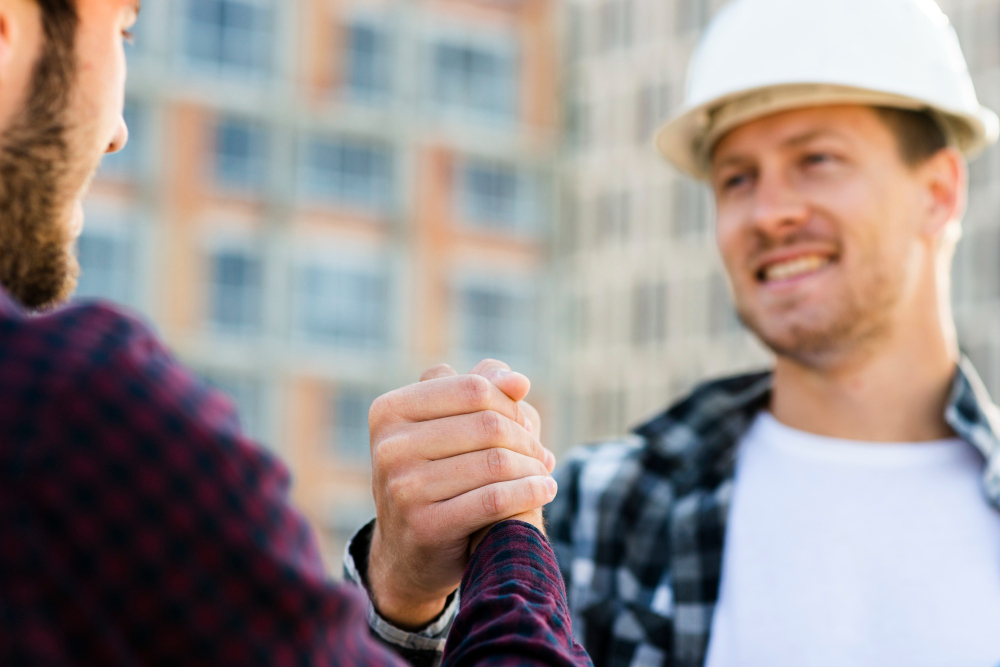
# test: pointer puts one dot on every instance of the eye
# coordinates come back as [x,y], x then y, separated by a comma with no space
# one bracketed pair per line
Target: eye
[818,159]
[734,181]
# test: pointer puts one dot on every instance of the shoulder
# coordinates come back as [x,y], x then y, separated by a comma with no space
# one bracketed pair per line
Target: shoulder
[100,380]
[708,406]
[619,485]
[595,466]
[88,335]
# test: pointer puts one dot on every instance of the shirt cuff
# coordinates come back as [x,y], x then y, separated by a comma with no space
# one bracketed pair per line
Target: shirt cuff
[431,638]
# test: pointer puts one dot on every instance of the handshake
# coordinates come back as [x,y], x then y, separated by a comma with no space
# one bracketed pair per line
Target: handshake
[451,456]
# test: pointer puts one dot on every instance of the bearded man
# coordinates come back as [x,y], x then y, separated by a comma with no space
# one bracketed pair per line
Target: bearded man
[140,527]
[843,509]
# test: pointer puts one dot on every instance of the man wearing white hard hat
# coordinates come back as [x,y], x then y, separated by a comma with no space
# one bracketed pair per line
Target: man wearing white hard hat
[842,509]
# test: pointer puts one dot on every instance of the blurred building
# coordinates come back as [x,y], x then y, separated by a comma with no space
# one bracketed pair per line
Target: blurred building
[320,198]
[644,309]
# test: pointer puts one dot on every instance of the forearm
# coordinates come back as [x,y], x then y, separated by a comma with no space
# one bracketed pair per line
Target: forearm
[421,648]
[514,608]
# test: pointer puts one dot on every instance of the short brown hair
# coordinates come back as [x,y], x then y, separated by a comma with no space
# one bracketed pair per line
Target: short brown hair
[918,134]
[59,19]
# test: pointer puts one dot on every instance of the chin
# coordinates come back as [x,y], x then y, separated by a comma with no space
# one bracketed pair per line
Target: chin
[803,336]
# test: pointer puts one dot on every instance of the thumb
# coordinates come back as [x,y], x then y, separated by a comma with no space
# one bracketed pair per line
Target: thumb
[515,385]
[438,372]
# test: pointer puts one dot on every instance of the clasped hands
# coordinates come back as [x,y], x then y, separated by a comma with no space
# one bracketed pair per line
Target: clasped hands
[451,456]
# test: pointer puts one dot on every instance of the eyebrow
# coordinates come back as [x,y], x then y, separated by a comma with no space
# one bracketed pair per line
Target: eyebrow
[806,137]
[792,142]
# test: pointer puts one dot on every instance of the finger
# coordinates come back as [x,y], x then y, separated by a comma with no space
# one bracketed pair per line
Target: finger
[533,419]
[440,398]
[453,436]
[515,385]
[439,371]
[468,472]
[479,508]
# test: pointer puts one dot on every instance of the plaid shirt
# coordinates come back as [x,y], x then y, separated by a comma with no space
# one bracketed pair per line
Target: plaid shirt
[141,528]
[639,525]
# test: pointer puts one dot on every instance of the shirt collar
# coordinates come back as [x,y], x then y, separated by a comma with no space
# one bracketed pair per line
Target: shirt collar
[976,419]
[7,303]
[694,441]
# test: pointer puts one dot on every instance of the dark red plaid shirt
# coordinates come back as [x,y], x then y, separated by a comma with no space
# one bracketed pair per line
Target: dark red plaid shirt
[139,527]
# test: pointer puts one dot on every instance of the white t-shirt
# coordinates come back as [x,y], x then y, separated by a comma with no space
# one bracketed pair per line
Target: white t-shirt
[841,553]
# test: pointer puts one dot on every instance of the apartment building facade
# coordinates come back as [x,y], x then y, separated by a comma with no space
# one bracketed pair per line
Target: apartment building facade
[645,309]
[322,197]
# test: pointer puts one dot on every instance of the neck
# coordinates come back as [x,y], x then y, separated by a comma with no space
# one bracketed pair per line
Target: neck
[895,390]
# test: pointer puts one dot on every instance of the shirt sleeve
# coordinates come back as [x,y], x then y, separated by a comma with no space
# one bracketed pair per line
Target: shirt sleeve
[172,537]
[423,648]
[563,512]
[514,609]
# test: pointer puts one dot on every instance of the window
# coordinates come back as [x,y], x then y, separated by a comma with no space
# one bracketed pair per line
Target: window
[977,266]
[368,62]
[649,314]
[498,196]
[247,396]
[616,24]
[574,35]
[985,49]
[576,124]
[691,207]
[722,312]
[124,164]
[497,322]
[614,211]
[352,440]
[344,307]
[652,108]
[691,15]
[236,291]
[353,172]
[105,265]
[229,35]
[606,412]
[241,149]
[476,79]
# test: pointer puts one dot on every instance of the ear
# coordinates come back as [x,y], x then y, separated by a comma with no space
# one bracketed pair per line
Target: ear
[7,38]
[945,179]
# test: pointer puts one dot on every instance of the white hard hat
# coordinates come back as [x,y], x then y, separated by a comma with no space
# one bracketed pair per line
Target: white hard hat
[762,56]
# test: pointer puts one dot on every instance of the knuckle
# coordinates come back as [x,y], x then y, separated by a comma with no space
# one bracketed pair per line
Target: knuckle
[498,464]
[518,413]
[477,390]
[380,408]
[540,469]
[537,451]
[494,501]
[535,492]
[385,451]
[401,490]
[493,426]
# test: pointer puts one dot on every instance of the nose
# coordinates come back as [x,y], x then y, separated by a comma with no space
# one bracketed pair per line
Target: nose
[777,208]
[120,138]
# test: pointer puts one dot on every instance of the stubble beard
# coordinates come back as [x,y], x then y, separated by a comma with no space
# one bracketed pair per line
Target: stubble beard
[38,266]
[849,331]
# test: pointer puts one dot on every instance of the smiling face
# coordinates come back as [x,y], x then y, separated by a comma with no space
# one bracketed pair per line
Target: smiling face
[62,79]
[826,233]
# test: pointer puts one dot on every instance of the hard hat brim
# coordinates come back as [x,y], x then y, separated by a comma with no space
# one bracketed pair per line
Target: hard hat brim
[688,138]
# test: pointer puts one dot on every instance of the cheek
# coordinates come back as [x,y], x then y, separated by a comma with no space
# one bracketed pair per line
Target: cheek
[101,80]
[729,240]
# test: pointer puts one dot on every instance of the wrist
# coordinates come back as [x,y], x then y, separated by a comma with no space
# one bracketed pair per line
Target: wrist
[401,605]
[534,517]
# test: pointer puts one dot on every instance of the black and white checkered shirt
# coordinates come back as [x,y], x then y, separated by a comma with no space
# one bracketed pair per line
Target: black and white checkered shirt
[639,525]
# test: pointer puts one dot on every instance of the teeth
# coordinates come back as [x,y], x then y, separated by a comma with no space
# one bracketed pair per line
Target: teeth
[795,267]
